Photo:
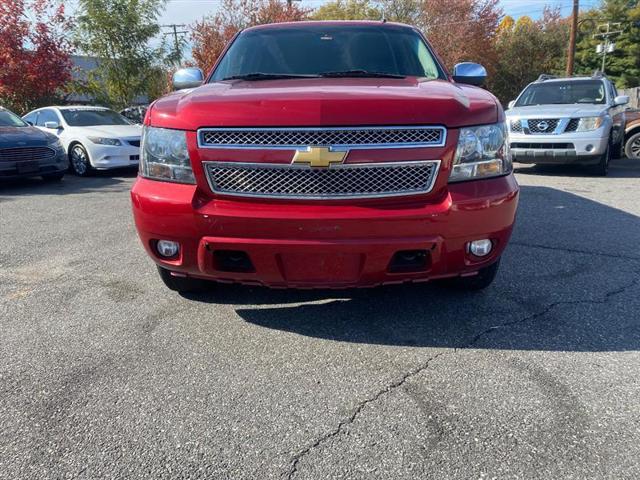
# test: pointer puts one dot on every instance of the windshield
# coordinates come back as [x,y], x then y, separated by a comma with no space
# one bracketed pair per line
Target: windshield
[8,119]
[90,118]
[575,91]
[336,50]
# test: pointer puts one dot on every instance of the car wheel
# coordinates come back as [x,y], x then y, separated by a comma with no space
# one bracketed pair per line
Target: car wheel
[183,284]
[53,177]
[632,147]
[601,169]
[79,161]
[482,280]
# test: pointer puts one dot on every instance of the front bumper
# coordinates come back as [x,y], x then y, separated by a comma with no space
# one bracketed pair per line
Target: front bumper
[106,156]
[570,148]
[23,169]
[324,245]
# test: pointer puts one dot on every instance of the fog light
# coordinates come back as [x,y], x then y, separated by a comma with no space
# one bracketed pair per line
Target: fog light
[589,148]
[167,248]
[481,248]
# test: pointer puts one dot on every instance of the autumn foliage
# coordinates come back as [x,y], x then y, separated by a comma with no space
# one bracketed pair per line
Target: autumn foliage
[211,34]
[34,52]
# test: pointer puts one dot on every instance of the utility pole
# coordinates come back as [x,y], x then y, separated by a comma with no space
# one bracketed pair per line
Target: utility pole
[572,38]
[608,46]
[176,39]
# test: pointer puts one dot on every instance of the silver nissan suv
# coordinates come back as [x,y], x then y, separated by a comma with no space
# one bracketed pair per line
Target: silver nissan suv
[576,120]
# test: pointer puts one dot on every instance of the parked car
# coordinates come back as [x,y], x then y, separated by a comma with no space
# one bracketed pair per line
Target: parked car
[94,137]
[632,134]
[326,154]
[576,120]
[25,151]
[135,114]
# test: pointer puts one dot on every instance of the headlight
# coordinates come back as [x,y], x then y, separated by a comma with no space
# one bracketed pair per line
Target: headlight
[114,142]
[586,124]
[482,153]
[164,155]
[56,144]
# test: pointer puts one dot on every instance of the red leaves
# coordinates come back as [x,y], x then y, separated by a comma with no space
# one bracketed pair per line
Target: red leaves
[212,34]
[34,52]
[462,30]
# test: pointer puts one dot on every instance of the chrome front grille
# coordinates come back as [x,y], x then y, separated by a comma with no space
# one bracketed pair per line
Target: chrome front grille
[25,154]
[542,125]
[516,126]
[572,126]
[348,137]
[335,182]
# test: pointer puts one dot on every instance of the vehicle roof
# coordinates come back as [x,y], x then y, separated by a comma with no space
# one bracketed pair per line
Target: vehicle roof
[332,23]
[78,107]
[568,79]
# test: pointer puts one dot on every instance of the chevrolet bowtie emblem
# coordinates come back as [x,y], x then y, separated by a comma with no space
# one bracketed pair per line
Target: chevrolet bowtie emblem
[318,156]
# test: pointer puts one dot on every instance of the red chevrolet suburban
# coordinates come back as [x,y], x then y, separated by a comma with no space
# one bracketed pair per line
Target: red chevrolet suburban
[326,154]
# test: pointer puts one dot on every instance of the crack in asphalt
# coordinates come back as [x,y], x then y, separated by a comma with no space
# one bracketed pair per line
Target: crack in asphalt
[348,421]
[412,373]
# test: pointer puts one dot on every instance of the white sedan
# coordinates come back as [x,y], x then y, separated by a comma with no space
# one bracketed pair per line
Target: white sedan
[94,137]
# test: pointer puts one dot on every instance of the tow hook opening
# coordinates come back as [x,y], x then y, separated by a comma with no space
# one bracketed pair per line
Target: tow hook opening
[405,261]
[233,261]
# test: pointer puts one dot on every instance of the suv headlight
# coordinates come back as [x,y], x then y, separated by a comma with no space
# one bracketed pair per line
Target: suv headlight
[113,142]
[586,124]
[482,153]
[164,155]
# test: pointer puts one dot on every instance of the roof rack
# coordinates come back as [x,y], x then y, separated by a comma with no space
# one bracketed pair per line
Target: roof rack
[546,76]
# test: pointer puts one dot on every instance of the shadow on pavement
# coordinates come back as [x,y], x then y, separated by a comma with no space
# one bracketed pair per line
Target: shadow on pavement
[570,261]
[619,168]
[104,180]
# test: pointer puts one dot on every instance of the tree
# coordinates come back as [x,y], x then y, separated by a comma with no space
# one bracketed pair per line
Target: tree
[34,53]
[348,10]
[119,34]
[527,48]
[462,30]
[623,64]
[211,34]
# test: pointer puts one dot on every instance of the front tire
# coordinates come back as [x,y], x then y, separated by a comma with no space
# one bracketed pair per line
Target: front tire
[632,146]
[482,280]
[183,284]
[601,169]
[79,161]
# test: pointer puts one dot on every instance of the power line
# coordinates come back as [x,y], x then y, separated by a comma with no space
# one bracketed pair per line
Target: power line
[178,35]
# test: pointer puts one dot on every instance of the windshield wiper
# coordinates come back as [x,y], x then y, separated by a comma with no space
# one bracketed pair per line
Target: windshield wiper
[361,74]
[267,76]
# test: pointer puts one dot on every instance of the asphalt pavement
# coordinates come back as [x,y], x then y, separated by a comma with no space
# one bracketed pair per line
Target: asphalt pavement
[104,373]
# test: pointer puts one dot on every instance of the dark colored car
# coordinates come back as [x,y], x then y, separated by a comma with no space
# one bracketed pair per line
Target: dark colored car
[26,151]
[135,114]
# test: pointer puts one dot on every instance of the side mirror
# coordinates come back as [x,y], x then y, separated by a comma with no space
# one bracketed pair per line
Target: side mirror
[470,73]
[621,100]
[28,123]
[187,78]
[52,125]
[511,104]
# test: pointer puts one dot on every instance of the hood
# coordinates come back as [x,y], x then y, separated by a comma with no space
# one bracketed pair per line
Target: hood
[326,102]
[557,111]
[24,137]
[112,131]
